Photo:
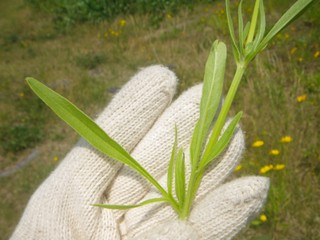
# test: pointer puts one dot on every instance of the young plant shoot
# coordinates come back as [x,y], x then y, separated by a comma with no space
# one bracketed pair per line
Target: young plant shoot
[208,139]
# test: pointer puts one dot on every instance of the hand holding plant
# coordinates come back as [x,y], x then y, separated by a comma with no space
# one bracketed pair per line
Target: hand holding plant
[139,118]
[186,168]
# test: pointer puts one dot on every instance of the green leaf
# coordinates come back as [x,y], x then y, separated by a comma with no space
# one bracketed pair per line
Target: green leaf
[231,29]
[253,24]
[180,184]
[240,25]
[246,30]
[125,207]
[88,129]
[171,162]
[210,100]
[222,142]
[290,15]
[262,25]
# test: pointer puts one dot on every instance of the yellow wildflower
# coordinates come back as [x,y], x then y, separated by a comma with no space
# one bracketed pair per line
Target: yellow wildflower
[21,94]
[279,167]
[300,59]
[258,143]
[301,98]
[274,152]
[169,16]
[293,50]
[55,158]
[286,139]
[238,168]
[122,22]
[263,218]
[316,54]
[266,168]
[114,33]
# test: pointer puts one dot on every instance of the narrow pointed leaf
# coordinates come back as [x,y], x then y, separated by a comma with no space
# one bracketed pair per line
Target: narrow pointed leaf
[222,142]
[246,30]
[290,15]
[125,207]
[180,177]
[231,28]
[253,24]
[88,129]
[171,163]
[210,100]
[241,29]
[262,25]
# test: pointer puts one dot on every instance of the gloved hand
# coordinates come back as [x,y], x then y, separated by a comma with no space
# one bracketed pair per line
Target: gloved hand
[141,120]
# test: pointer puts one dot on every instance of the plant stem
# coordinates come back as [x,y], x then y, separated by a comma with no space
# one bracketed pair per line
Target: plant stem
[241,67]
[194,183]
[197,173]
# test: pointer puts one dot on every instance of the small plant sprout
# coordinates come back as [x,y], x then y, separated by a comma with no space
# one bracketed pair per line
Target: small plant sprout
[181,191]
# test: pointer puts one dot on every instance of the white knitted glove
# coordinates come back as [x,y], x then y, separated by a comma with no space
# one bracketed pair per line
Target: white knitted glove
[140,120]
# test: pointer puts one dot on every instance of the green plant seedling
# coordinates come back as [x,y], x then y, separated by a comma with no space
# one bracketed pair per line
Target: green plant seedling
[251,41]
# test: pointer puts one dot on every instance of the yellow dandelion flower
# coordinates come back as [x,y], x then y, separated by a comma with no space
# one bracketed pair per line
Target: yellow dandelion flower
[55,158]
[266,168]
[258,143]
[263,170]
[274,152]
[286,139]
[238,168]
[263,218]
[114,33]
[301,98]
[122,22]
[293,50]
[316,54]
[279,167]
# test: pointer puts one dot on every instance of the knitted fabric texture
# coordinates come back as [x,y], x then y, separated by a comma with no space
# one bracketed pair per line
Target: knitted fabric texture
[141,120]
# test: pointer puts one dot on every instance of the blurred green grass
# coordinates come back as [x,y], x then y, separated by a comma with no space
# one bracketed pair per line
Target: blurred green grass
[90,61]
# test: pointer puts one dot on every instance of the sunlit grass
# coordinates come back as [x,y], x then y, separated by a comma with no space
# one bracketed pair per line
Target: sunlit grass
[272,112]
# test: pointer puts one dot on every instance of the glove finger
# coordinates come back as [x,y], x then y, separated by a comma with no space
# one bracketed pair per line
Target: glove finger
[174,229]
[84,174]
[154,150]
[228,209]
[220,215]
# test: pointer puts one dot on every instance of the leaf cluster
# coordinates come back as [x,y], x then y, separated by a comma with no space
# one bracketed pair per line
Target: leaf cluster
[251,36]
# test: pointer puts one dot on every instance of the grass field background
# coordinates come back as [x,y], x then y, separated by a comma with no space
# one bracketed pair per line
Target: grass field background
[89,61]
